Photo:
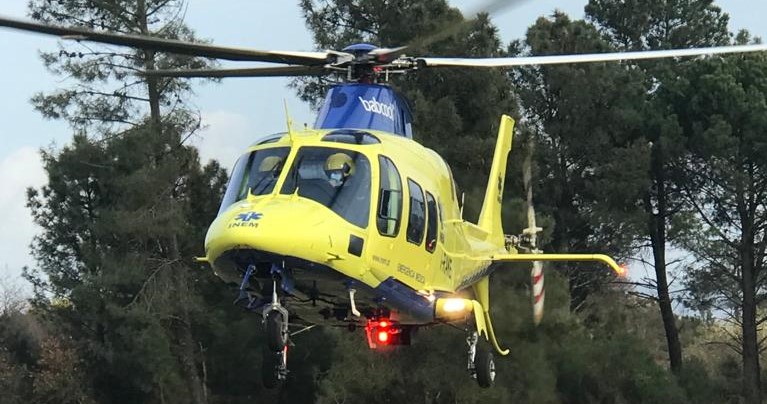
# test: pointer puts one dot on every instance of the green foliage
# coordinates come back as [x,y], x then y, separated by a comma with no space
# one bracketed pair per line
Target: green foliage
[701,387]
[646,24]
[114,214]
[36,365]
[429,371]
[12,380]
[120,215]
[643,25]
[59,378]
[723,118]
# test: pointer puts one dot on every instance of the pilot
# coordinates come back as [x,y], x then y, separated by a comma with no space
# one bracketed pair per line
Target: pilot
[263,181]
[271,164]
[339,167]
[350,190]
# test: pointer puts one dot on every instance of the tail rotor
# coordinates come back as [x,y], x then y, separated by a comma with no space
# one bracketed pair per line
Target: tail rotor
[531,234]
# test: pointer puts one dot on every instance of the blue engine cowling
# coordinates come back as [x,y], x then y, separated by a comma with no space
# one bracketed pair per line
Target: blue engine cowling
[365,106]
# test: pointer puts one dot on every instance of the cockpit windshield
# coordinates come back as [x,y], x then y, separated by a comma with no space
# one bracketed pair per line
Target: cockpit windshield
[256,172]
[336,178]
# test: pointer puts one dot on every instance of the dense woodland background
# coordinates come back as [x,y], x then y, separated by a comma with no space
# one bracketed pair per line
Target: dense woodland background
[662,163]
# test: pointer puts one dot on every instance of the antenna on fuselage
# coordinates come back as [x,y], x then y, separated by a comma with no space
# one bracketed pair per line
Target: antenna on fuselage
[288,120]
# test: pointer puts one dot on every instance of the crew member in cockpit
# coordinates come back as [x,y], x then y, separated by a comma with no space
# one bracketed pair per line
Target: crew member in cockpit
[351,197]
[339,167]
[264,180]
[271,164]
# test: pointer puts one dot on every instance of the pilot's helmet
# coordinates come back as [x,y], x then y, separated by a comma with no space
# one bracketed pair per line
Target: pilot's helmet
[338,167]
[270,163]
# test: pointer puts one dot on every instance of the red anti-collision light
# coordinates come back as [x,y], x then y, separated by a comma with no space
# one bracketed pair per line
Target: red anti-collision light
[383,337]
[383,324]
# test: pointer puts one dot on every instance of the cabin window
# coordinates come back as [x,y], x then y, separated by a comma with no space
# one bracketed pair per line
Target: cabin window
[256,172]
[273,138]
[417,218]
[350,137]
[431,223]
[336,178]
[389,198]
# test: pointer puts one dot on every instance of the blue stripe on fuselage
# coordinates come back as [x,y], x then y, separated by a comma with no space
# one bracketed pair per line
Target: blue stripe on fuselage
[406,300]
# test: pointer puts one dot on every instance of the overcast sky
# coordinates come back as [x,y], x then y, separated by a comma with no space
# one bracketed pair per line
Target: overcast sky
[235,111]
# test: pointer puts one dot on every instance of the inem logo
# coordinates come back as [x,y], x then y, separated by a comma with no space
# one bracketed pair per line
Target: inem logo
[246,217]
[376,107]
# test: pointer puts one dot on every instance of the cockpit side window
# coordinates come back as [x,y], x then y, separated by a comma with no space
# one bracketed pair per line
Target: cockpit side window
[431,223]
[389,198]
[417,218]
[256,172]
[336,178]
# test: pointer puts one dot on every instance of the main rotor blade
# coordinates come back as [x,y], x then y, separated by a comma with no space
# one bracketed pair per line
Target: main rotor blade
[386,55]
[587,57]
[491,7]
[172,45]
[281,71]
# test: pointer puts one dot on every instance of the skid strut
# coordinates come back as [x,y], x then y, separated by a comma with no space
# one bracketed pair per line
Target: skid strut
[355,312]
[243,295]
[275,320]
[275,304]
[471,341]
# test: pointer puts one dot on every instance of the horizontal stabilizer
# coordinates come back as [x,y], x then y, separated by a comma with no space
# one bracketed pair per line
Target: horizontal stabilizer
[605,259]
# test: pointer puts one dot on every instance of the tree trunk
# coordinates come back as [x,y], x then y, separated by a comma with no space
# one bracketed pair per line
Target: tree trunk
[657,229]
[664,303]
[752,388]
[187,357]
[153,92]
[183,329]
[184,338]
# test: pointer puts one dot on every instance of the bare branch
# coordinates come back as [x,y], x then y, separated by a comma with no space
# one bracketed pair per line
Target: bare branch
[644,296]
[730,345]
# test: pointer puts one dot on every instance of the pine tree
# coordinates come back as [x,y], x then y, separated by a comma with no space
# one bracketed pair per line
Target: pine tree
[125,207]
[645,25]
[723,118]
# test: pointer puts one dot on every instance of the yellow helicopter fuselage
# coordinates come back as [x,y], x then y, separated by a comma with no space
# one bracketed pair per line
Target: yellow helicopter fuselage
[412,245]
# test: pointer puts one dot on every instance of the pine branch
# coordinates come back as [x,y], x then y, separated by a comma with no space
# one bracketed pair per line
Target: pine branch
[708,221]
[103,94]
[152,11]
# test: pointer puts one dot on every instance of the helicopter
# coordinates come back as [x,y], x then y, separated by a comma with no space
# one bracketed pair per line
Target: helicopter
[352,223]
